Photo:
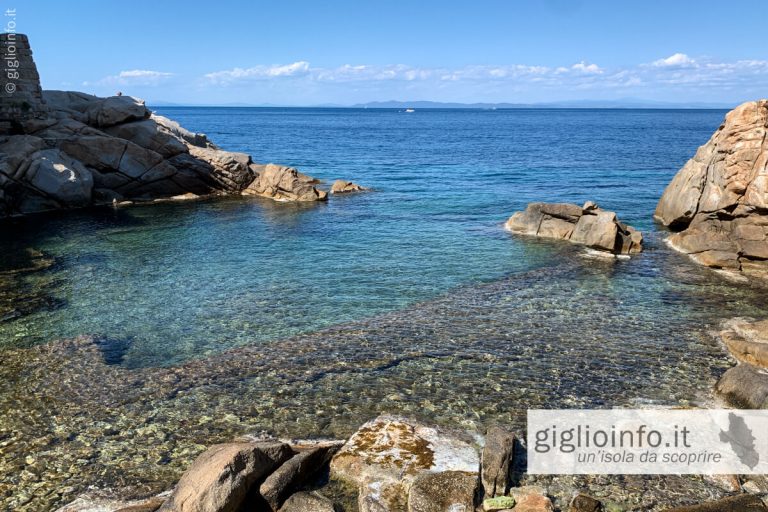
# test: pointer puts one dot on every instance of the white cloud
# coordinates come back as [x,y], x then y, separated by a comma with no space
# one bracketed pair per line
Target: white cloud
[299,68]
[133,77]
[587,68]
[677,60]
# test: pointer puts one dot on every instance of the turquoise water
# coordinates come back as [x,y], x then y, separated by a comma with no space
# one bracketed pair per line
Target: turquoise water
[182,281]
[207,320]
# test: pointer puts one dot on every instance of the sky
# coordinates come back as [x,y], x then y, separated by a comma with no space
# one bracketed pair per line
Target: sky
[346,52]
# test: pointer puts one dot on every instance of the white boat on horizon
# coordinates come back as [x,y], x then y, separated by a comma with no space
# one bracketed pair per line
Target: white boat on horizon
[410,110]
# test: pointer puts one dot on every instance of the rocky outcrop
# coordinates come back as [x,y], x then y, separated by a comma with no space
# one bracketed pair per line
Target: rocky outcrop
[718,202]
[345,187]
[746,385]
[221,477]
[283,184]
[61,149]
[497,458]
[308,502]
[453,491]
[585,225]
[386,455]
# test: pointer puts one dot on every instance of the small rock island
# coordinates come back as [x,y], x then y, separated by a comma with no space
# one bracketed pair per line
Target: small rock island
[587,225]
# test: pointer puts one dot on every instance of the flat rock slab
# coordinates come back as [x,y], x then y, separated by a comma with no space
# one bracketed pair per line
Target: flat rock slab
[385,456]
[741,503]
[220,477]
[745,386]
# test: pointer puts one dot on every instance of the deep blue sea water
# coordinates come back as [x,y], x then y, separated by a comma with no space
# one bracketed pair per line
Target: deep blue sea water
[183,281]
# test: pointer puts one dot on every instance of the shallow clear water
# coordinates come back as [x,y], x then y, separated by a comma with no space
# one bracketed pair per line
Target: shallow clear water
[184,281]
[223,317]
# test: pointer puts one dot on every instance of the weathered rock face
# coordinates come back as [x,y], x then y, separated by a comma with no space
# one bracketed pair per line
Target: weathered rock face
[344,187]
[497,457]
[61,149]
[585,225]
[746,385]
[308,502]
[450,491]
[220,478]
[283,184]
[386,455]
[718,201]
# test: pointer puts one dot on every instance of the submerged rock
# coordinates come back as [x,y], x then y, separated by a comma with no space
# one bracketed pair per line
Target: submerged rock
[745,386]
[747,340]
[587,225]
[718,201]
[344,187]
[386,455]
[220,478]
[741,503]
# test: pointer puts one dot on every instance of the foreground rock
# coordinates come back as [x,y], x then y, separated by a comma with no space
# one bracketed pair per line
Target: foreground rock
[221,477]
[386,455]
[345,187]
[497,458]
[746,385]
[453,491]
[296,472]
[718,202]
[308,502]
[585,225]
[61,149]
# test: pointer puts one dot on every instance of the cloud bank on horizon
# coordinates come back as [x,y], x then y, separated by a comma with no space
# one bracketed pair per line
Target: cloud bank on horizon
[677,75]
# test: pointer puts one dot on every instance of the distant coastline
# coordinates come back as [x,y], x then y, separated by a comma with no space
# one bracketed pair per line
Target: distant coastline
[395,104]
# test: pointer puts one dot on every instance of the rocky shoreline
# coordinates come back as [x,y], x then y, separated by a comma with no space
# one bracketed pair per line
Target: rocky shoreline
[64,150]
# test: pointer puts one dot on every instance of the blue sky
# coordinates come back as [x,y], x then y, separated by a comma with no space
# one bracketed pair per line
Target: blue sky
[344,52]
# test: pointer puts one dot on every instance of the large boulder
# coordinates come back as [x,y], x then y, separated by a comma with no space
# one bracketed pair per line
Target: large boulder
[308,502]
[718,202]
[59,177]
[386,455]
[585,225]
[283,184]
[220,478]
[745,386]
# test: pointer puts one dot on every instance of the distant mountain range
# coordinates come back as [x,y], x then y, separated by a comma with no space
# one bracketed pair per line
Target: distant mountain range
[620,103]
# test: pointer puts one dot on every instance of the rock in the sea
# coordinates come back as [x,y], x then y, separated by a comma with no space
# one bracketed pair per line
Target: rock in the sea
[740,503]
[745,386]
[718,202]
[384,457]
[586,225]
[220,478]
[295,472]
[70,149]
[283,184]
[308,502]
[344,187]
[449,491]
[497,457]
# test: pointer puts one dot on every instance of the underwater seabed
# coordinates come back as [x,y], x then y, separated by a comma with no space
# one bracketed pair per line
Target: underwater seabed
[578,333]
